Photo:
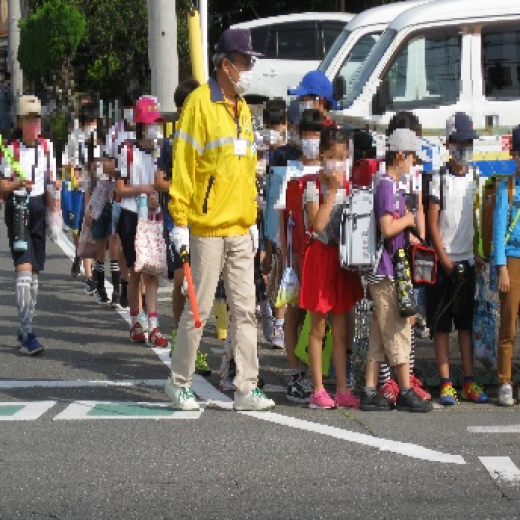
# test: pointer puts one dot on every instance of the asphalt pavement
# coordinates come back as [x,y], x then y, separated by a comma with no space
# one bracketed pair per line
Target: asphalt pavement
[87,433]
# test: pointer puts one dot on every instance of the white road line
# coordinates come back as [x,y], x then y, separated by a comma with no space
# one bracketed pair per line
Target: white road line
[208,392]
[164,299]
[165,290]
[82,410]
[501,469]
[81,383]
[30,411]
[512,428]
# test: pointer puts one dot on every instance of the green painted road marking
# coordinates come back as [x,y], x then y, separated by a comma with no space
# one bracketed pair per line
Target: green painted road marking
[8,410]
[24,411]
[130,410]
[114,410]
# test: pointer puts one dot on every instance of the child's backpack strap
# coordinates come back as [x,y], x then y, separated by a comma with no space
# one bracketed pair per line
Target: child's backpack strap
[129,157]
[16,150]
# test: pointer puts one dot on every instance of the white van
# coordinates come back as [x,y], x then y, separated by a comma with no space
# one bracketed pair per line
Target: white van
[444,57]
[293,45]
[358,38]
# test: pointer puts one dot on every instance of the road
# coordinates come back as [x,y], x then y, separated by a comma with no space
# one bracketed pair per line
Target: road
[86,433]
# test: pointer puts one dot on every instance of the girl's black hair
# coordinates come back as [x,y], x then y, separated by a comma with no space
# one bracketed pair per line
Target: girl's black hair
[139,131]
[184,89]
[311,121]
[275,112]
[331,136]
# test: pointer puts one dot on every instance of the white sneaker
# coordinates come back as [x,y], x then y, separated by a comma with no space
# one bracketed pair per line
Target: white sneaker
[182,398]
[254,401]
[278,337]
[143,320]
[505,395]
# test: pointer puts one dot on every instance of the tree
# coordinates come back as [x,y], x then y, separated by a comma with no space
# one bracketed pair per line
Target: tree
[49,38]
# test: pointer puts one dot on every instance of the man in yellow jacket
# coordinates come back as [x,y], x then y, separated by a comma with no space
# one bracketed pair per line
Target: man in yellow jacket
[213,205]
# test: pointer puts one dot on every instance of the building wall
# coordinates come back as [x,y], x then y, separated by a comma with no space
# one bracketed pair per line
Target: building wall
[3,19]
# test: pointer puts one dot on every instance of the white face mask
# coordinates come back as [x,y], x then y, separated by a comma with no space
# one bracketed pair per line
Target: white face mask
[153,132]
[311,148]
[89,130]
[245,77]
[306,105]
[273,137]
[331,167]
[461,154]
[128,115]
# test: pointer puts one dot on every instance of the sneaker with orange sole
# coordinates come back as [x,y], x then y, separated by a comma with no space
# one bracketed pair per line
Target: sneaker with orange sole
[471,391]
[157,340]
[136,334]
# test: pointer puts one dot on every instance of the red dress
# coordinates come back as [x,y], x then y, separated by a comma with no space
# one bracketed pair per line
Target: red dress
[326,287]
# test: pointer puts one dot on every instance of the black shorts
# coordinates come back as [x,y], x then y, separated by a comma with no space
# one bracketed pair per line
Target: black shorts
[35,253]
[438,297]
[127,229]
[173,258]
[102,227]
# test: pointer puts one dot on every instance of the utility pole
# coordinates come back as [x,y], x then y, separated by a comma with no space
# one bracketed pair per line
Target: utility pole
[162,51]
[14,15]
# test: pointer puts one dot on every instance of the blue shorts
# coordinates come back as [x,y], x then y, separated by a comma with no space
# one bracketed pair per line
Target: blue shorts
[102,227]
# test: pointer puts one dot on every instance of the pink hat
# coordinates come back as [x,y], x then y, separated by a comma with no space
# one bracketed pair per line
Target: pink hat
[146,110]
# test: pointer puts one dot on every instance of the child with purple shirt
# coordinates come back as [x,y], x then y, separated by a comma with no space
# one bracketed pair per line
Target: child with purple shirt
[390,333]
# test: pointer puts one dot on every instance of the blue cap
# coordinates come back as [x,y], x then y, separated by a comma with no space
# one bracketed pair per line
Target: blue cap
[314,83]
[515,141]
[459,127]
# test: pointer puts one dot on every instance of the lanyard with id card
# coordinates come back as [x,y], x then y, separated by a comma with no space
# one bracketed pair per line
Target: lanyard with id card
[239,144]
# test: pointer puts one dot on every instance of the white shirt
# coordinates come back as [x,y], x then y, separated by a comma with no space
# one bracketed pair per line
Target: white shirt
[141,171]
[76,153]
[116,136]
[457,213]
[37,166]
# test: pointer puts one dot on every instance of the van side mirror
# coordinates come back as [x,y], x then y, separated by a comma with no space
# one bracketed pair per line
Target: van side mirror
[382,99]
[339,88]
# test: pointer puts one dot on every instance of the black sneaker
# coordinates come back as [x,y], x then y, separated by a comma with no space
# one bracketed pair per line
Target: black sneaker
[115,303]
[299,390]
[76,267]
[123,299]
[409,401]
[90,286]
[373,402]
[102,296]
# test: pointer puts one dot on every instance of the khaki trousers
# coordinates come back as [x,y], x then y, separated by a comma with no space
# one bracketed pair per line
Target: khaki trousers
[509,308]
[234,257]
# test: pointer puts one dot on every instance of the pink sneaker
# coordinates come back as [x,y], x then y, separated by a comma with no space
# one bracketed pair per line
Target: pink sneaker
[418,388]
[346,400]
[390,391]
[321,400]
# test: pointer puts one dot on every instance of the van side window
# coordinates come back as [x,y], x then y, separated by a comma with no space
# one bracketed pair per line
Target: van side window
[298,41]
[501,62]
[259,37]
[426,73]
[329,32]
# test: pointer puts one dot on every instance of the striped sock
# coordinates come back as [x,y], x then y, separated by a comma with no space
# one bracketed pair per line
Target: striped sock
[412,352]
[384,374]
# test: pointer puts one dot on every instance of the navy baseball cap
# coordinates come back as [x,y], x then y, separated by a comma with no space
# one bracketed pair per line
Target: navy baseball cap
[459,127]
[515,141]
[314,83]
[236,40]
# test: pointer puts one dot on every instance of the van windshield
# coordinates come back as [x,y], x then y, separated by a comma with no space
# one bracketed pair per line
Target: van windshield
[340,40]
[357,56]
[368,67]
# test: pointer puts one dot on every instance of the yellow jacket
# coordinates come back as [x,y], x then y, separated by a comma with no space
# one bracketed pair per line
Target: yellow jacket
[213,190]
